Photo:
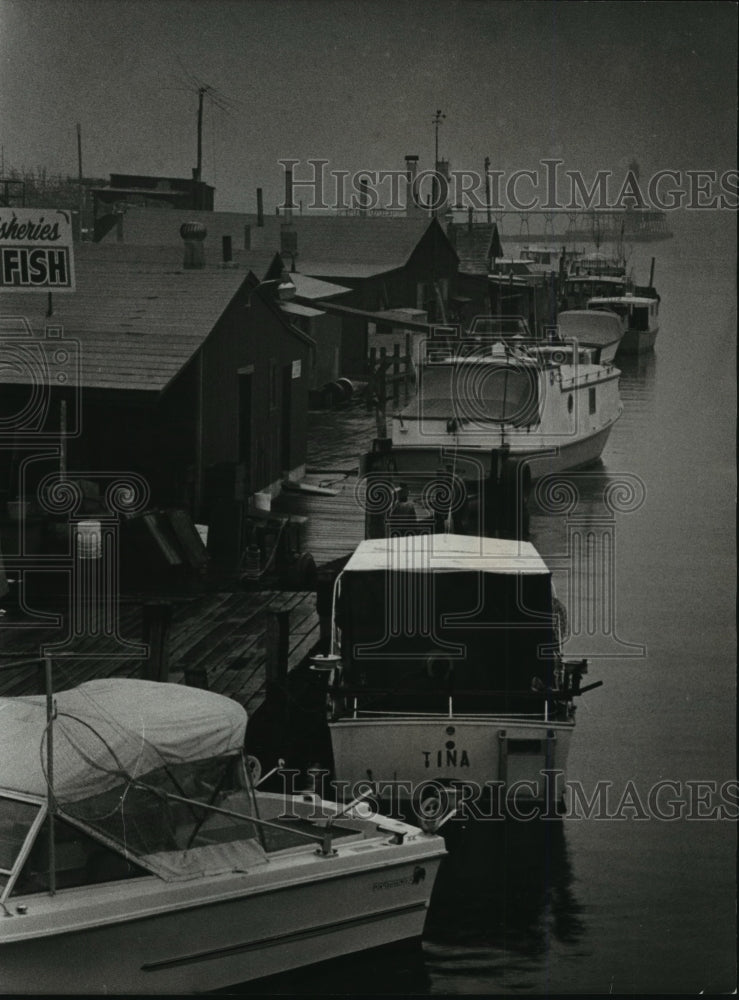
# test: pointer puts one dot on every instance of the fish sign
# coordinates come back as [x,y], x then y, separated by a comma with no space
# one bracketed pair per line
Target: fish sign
[36,250]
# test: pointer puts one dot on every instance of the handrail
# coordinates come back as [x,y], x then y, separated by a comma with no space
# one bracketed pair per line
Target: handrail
[556,695]
[323,839]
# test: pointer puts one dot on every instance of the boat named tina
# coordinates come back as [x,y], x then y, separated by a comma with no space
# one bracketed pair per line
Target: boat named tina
[482,395]
[448,667]
[138,858]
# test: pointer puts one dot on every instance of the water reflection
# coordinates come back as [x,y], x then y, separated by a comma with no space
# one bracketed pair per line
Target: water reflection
[637,368]
[503,897]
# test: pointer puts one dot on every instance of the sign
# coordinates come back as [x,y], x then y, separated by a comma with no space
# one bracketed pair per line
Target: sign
[36,250]
[297,368]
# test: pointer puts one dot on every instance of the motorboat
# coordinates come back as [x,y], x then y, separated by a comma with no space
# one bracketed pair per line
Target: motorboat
[639,316]
[550,406]
[136,855]
[447,668]
[599,264]
[600,332]
[543,259]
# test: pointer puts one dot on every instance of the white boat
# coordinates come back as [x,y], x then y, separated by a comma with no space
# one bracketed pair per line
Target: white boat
[600,332]
[639,316]
[549,406]
[543,259]
[449,668]
[599,264]
[166,871]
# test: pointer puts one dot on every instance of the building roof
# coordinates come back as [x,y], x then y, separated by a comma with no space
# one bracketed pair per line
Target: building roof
[137,315]
[352,246]
[475,246]
[313,288]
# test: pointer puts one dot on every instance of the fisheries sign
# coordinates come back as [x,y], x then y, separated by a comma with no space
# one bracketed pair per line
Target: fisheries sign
[36,250]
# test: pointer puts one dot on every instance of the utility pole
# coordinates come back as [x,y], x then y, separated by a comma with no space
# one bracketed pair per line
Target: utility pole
[199,167]
[437,120]
[487,189]
[80,192]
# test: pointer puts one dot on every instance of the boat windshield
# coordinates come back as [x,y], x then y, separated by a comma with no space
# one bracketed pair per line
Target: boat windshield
[480,390]
[18,822]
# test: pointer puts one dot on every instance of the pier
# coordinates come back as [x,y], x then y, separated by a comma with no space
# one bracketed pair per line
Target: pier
[217,641]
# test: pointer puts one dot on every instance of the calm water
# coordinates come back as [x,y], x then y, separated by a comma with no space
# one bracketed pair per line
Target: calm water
[622,905]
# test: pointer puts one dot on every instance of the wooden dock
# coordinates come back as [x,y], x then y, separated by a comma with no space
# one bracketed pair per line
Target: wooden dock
[216,641]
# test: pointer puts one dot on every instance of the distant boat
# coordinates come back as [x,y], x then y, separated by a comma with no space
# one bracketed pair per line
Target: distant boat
[601,332]
[448,668]
[497,390]
[639,315]
[162,869]
[543,259]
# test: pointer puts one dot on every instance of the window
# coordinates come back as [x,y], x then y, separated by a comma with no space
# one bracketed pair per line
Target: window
[17,821]
[80,860]
[591,400]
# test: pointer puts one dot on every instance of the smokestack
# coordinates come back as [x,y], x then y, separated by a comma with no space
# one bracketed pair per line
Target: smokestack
[193,233]
[260,208]
[289,242]
[288,194]
[411,172]
[363,196]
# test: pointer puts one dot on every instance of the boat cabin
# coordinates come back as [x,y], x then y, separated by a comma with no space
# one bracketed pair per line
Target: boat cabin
[637,313]
[437,623]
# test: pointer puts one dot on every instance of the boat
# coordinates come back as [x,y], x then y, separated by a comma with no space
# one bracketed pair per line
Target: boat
[598,264]
[548,406]
[543,259]
[639,316]
[447,668]
[138,857]
[600,332]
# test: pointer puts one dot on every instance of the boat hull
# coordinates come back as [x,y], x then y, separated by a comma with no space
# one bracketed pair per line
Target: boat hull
[407,756]
[638,341]
[172,941]
[542,461]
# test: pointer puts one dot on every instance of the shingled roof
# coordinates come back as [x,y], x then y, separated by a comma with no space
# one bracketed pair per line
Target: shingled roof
[137,315]
[475,246]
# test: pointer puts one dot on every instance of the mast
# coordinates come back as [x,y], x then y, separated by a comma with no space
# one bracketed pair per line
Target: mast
[50,803]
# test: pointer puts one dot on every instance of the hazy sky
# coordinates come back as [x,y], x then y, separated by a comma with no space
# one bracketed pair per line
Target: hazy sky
[593,83]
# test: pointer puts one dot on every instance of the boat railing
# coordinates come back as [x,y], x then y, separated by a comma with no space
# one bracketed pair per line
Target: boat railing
[323,838]
[549,700]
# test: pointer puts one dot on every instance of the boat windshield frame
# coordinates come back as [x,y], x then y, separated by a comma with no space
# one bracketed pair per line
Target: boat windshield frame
[10,875]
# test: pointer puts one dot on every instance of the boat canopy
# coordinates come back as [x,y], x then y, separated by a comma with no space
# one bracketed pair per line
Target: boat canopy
[621,300]
[590,327]
[110,728]
[446,553]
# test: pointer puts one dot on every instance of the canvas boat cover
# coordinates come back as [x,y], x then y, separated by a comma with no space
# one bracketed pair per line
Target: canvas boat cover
[110,729]
[590,327]
[446,553]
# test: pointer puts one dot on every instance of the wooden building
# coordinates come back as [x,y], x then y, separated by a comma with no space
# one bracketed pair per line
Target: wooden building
[124,191]
[194,378]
